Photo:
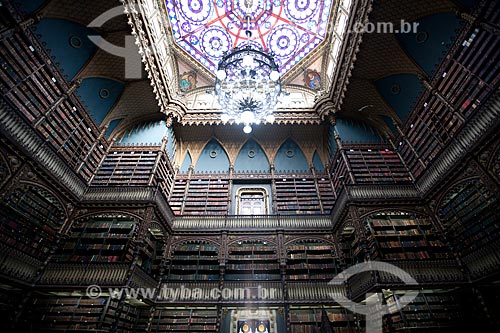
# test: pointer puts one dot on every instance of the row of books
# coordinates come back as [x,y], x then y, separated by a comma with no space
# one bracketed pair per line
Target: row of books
[309,247]
[311,266]
[31,87]
[267,266]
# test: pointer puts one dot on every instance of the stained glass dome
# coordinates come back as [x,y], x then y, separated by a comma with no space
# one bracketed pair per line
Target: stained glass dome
[289,29]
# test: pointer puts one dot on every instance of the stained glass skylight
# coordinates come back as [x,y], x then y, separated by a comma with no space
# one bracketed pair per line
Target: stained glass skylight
[289,29]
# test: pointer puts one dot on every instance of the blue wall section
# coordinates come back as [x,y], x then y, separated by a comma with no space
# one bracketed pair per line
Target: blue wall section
[99,95]
[351,131]
[112,125]
[401,92]
[56,35]
[186,164]
[440,29]
[290,158]
[390,124]
[213,158]
[318,164]
[171,143]
[145,134]
[251,158]
[28,6]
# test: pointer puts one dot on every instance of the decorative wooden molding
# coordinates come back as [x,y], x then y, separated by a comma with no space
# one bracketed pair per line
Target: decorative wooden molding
[131,194]
[485,120]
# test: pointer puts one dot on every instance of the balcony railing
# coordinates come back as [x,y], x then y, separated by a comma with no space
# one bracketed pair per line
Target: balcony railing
[253,221]
[112,274]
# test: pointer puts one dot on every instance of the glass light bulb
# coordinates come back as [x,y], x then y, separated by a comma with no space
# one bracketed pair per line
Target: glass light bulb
[275,76]
[224,117]
[270,118]
[247,117]
[221,74]
[248,61]
[247,129]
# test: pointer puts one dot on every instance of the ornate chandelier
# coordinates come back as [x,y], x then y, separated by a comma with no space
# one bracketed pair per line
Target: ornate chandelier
[248,85]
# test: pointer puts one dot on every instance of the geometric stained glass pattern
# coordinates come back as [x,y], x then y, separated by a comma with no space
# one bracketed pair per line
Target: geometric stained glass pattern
[289,29]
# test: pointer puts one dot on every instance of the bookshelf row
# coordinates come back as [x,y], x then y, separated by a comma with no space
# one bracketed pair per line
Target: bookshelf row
[429,311]
[252,260]
[207,196]
[33,86]
[339,173]
[309,320]
[211,196]
[403,236]
[184,320]
[297,196]
[194,262]
[82,314]
[69,313]
[467,78]
[470,214]
[29,220]
[377,166]
[106,239]
[126,167]
[311,260]
[101,239]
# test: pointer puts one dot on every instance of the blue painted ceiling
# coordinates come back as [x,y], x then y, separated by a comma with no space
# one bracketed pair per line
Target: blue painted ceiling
[99,95]
[112,125]
[67,42]
[150,133]
[434,36]
[353,131]
[28,6]
[71,50]
[401,92]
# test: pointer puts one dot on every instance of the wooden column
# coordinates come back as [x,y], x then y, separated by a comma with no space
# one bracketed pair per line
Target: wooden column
[344,157]
[396,150]
[403,136]
[313,171]
[441,98]
[103,158]
[230,190]
[274,196]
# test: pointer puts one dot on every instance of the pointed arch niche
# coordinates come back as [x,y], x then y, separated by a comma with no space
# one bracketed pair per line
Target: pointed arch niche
[290,158]
[188,161]
[213,158]
[251,158]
